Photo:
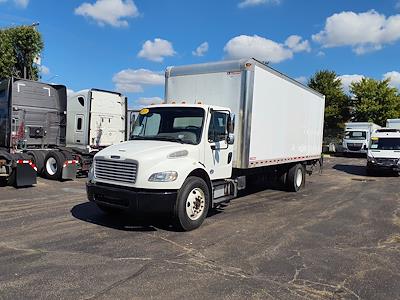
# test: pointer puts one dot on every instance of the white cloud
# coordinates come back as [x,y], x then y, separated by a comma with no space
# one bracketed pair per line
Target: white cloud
[133,81]
[156,50]
[302,79]
[44,70]
[201,50]
[110,12]
[394,77]
[348,79]
[249,3]
[151,100]
[321,54]
[364,32]
[263,49]
[19,3]
[296,43]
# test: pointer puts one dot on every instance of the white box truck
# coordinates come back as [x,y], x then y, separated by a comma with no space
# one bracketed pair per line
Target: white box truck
[357,136]
[384,151]
[393,123]
[223,123]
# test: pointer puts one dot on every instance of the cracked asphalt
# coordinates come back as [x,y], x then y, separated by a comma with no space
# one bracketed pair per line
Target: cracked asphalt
[337,239]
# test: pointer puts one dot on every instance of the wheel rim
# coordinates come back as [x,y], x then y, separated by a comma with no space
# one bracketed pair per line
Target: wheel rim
[195,204]
[299,177]
[51,166]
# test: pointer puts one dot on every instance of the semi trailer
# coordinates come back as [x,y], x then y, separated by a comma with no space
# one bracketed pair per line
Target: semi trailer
[95,119]
[33,131]
[222,125]
[357,136]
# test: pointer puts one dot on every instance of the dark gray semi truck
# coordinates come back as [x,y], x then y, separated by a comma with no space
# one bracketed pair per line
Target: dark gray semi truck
[33,132]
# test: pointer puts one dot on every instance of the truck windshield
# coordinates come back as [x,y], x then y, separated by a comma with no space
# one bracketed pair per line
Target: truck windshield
[386,144]
[355,135]
[176,124]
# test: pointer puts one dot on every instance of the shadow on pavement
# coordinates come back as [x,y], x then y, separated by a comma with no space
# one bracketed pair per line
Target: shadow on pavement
[361,171]
[89,212]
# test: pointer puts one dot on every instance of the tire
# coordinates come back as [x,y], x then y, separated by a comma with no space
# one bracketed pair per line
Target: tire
[108,210]
[192,204]
[37,158]
[53,165]
[296,178]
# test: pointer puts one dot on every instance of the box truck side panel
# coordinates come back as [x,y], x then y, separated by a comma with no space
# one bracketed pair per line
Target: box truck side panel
[286,121]
[217,88]
[107,118]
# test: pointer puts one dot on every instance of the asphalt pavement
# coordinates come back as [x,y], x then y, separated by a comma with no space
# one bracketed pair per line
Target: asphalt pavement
[339,238]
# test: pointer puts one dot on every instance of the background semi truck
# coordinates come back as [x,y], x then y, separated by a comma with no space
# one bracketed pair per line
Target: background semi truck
[95,119]
[357,136]
[224,124]
[393,123]
[32,132]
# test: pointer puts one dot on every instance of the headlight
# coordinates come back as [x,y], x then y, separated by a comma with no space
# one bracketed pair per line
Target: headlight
[370,159]
[164,176]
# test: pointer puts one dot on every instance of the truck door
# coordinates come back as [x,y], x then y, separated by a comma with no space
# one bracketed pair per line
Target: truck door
[218,153]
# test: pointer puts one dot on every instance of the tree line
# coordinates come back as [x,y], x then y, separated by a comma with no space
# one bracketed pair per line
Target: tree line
[19,48]
[369,100]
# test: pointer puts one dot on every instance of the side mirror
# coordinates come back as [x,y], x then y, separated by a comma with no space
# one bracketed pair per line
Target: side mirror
[231,129]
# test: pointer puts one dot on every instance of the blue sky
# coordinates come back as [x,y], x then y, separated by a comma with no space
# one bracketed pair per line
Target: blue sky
[126,45]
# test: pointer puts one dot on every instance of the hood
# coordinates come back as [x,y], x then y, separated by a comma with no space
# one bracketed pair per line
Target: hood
[144,150]
[384,153]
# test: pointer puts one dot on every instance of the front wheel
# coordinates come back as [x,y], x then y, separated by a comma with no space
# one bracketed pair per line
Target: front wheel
[192,204]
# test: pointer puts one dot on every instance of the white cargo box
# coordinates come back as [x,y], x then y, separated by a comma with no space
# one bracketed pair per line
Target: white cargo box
[278,120]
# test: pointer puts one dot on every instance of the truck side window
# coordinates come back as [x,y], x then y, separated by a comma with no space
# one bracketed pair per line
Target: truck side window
[81,101]
[79,122]
[217,130]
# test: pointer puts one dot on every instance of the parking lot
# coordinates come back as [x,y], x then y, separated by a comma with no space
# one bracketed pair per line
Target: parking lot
[337,239]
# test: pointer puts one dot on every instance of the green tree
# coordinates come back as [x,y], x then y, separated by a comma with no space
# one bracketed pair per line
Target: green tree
[374,101]
[19,46]
[337,110]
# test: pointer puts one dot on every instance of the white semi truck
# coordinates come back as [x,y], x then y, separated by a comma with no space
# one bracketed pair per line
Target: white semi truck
[223,124]
[357,136]
[393,123]
[384,151]
[95,119]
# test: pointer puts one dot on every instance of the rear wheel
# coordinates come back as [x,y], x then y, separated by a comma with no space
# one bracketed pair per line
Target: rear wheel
[296,178]
[37,157]
[53,165]
[192,204]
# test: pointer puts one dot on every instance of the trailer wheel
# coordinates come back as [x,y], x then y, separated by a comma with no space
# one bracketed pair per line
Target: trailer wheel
[192,204]
[53,164]
[37,158]
[296,178]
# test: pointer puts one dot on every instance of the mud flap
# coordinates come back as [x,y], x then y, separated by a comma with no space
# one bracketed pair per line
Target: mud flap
[69,170]
[25,175]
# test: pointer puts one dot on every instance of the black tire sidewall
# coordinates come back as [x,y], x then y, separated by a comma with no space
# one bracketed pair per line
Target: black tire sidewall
[291,178]
[38,158]
[183,222]
[59,157]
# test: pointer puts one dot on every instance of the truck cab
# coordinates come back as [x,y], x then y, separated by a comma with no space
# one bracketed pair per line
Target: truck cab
[175,151]
[357,136]
[384,151]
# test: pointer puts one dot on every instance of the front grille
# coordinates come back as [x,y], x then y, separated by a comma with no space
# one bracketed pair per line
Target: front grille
[386,161]
[115,170]
[354,146]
